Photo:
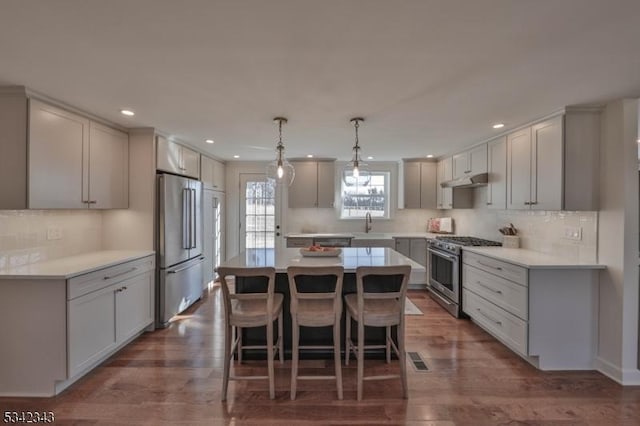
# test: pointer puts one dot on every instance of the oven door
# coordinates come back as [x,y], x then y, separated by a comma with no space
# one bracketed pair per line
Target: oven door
[444,274]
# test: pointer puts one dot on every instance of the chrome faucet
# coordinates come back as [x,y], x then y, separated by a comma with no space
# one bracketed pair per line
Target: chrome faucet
[367,222]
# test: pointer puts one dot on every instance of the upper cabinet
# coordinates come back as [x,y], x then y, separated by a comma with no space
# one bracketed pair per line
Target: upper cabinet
[175,158]
[313,185]
[470,162]
[57,159]
[420,190]
[497,170]
[444,172]
[212,173]
[553,165]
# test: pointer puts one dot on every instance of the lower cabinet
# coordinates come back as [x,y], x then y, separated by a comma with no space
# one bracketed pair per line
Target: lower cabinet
[548,316]
[413,248]
[101,320]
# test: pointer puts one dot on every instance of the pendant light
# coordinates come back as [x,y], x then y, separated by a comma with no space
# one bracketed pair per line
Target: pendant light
[356,172]
[280,169]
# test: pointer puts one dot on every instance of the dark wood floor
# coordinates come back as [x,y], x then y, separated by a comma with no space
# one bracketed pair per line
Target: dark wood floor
[173,376]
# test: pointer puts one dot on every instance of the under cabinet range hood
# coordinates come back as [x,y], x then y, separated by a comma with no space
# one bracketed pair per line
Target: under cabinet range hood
[469,181]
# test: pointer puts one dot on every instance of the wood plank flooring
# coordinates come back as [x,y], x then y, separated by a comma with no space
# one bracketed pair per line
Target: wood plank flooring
[173,376]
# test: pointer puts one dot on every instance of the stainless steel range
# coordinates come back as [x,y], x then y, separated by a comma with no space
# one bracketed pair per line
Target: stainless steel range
[445,269]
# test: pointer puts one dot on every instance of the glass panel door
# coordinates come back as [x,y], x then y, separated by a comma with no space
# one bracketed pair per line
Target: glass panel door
[258,212]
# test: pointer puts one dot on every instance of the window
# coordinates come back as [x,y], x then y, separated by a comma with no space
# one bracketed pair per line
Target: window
[360,197]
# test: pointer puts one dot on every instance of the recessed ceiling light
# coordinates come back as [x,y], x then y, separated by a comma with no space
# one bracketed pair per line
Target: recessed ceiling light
[309,155]
[209,140]
[369,158]
[638,140]
[127,112]
[498,126]
[236,156]
[430,156]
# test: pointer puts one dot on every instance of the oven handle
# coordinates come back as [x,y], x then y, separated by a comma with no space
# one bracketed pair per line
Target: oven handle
[453,258]
[442,298]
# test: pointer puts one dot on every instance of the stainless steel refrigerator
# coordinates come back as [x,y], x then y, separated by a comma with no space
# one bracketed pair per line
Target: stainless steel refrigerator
[179,248]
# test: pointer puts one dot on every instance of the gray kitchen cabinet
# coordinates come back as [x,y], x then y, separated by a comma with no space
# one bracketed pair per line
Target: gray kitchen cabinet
[413,248]
[470,162]
[313,185]
[213,248]
[294,242]
[55,158]
[212,173]
[552,165]
[448,198]
[420,184]
[497,170]
[175,158]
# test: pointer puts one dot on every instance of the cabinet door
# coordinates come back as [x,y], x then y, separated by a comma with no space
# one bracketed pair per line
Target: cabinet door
[218,175]
[303,192]
[403,246]
[547,165]
[208,230]
[168,156]
[58,155]
[190,162]
[418,250]
[519,170]
[326,184]
[91,328]
[108,168]
[497,169]
[444,196]
[412,185]
[460,163]
[478,159]
[206,172]
[428,196]
[134,308]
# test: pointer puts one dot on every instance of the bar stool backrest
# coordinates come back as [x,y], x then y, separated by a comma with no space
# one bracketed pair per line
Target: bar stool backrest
[364,272]
[227,296]
[296,295]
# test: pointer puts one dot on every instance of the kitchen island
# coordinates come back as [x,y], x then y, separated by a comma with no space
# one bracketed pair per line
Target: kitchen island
[281,259]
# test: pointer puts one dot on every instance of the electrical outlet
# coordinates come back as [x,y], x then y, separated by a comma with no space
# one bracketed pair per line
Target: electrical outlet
[54,233]
[573,233]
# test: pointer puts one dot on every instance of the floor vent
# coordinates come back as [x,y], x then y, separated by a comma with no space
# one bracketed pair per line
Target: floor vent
[417,362]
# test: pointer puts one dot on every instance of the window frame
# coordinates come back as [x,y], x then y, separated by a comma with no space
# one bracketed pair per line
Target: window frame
[388,196]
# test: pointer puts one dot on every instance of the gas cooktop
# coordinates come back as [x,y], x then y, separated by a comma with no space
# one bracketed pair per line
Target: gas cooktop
[469,241]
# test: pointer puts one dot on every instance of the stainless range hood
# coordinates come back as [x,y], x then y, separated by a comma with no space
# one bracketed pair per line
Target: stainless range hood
[470,181]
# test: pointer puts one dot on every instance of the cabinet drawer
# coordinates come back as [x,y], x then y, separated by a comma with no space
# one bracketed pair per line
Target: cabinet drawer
[507,327]
[502,269]
[299,242]
[506,294]
[96,280]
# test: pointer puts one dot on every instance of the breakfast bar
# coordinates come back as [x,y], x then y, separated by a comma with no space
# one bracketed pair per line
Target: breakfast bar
[350,258]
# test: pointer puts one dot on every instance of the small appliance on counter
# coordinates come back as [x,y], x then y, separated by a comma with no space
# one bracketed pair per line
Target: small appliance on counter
[445,269]
[440,225]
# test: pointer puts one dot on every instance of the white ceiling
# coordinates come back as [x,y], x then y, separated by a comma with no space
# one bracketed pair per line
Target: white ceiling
[428,76]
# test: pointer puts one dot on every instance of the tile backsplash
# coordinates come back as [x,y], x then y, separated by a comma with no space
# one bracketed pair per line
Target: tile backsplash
[23,235]
[541,231]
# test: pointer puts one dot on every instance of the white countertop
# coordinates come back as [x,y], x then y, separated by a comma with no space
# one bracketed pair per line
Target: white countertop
[68,267]
[531,259]
[368,236]
[350,259]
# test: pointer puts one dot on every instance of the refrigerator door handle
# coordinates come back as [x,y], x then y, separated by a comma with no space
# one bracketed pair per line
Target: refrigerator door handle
[194,222]
[185,219]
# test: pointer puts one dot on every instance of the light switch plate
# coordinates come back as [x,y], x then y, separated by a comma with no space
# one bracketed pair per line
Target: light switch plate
[54,233]
[573,233]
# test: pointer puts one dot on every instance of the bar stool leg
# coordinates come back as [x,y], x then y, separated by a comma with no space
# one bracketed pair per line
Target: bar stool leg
[227,360]
[347,337]
[336,356]
[280,338]
[239,347]
[403,360]
[295,341]
[388,341]
[360,358]
[272,389]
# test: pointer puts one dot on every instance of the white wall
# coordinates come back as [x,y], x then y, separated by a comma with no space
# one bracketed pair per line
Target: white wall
[539,230]
[618,243]
[23,235]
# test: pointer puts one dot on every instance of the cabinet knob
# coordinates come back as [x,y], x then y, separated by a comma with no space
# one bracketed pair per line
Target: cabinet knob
[534,203]
[527,203]
[488,203]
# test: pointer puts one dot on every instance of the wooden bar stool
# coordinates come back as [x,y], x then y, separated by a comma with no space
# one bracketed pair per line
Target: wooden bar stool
[243,310]
[377,310]
[315,310]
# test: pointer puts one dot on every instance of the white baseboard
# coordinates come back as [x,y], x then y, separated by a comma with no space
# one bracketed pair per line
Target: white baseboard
[627,377]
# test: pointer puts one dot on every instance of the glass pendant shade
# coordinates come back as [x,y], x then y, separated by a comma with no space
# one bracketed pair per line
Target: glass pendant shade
[280,169]
[356,172]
